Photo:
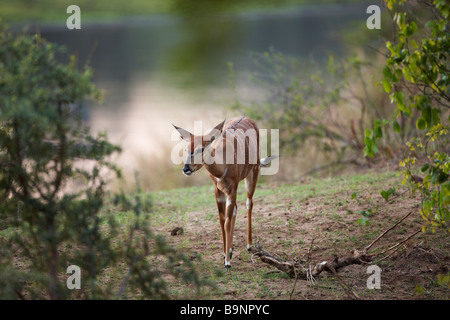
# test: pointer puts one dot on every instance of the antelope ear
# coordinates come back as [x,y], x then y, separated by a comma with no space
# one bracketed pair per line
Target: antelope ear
[215,132]
[185,135]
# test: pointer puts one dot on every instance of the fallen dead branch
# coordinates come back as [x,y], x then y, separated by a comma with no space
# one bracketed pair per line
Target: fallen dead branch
[301,269]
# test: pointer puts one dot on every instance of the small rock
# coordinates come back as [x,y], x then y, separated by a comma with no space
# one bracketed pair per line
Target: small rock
[177,231]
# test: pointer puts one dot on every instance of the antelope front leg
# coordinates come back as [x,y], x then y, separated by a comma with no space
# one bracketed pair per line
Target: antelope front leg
[230,220]
[220,200]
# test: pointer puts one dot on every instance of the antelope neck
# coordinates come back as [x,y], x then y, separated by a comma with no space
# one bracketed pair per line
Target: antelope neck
[216,171]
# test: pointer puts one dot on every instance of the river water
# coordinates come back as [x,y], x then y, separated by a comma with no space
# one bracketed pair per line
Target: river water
[158,70]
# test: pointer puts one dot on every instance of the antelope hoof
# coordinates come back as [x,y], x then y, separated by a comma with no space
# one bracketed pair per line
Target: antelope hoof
[227,265]
[249,248]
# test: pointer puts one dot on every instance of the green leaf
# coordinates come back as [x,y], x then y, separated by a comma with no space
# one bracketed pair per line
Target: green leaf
[366,213]
[401,19]
[386,193]
[399,97]
[435,116]
[407,74]
[410,29]
[442,177]
[378,132]
[396,126]
[391,49]
[387,85]
[426,112]
[363,221]
[421,123]
[387,73]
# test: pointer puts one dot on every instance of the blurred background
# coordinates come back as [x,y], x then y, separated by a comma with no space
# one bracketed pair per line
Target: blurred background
[176,61]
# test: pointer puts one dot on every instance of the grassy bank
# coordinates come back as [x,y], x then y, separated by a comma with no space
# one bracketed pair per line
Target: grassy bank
[316,216]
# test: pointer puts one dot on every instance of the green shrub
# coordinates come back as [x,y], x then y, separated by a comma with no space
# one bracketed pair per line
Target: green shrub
[416,77]
[53,185]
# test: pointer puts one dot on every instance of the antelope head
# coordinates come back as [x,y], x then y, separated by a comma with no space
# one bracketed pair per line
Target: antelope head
[197,145]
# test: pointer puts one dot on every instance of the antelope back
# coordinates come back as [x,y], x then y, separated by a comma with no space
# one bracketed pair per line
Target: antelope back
[238,146]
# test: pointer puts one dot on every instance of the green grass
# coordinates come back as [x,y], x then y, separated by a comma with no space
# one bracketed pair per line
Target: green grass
[288,202]
[172,207]
[282,211]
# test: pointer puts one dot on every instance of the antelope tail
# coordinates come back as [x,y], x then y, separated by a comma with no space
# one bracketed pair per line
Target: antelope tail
[265,161]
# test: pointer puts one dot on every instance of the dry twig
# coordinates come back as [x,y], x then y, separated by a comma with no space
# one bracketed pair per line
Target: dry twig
[384,233]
